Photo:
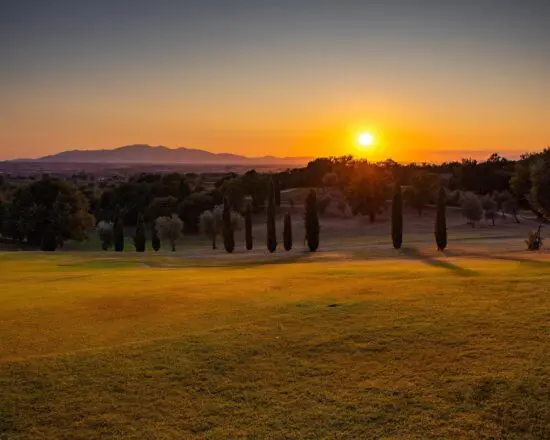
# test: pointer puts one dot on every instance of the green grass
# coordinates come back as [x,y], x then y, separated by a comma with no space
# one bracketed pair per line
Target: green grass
[330,346]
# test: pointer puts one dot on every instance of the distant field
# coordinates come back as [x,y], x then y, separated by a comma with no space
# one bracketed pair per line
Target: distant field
[350,344]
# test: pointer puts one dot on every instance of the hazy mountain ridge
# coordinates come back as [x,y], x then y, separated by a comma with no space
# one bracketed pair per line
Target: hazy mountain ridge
[141,153]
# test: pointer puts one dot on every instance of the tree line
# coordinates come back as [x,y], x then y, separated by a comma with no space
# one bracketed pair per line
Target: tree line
[47,212]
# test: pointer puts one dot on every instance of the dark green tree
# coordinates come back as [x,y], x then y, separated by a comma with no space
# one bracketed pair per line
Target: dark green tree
[271,230]
[140,238]
[287,232]
[227,228]
[441,220]
[248,228]
[118,235]
[277,189]
[155,239]
[397,217]
[312,222]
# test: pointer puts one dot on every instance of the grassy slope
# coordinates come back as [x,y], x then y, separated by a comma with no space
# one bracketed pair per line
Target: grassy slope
[326,347]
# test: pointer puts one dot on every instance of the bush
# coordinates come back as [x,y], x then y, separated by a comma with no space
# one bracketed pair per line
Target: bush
[534,240]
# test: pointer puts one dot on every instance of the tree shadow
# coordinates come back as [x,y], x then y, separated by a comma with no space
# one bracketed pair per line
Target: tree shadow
[416,254]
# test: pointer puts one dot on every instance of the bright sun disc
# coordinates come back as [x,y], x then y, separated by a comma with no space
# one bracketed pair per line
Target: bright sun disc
[365,139]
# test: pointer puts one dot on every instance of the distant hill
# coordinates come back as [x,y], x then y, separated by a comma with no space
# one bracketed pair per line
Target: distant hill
[146,154]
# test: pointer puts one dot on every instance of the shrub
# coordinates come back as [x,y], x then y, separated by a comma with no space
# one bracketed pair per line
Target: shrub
[397,218]
[287,232]
[534,240]
[312,222]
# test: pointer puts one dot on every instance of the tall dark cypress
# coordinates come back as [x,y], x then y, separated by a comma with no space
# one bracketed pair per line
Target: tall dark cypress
[227,227]
[118,235]
[49,240]
[248,228]
[287,232]
[155,239]
[271,230]
[397,217]
[140,238]
[441,221]
[312,222]
[277,188]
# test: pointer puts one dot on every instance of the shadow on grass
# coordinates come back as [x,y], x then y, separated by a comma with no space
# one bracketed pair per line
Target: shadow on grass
[514,259]
[416,254]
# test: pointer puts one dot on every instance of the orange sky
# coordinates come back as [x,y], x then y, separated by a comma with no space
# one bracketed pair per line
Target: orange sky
[430,82]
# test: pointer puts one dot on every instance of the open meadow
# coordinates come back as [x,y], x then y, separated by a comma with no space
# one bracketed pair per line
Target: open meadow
[357,341]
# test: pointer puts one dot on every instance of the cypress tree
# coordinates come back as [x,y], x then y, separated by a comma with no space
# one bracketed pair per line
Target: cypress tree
[155,239]
[118,235]
[287,232]
[140,238]
[441,221]
[248,228]
[277,188]
[312,221]
[227,228]
[271,230]
[397,217]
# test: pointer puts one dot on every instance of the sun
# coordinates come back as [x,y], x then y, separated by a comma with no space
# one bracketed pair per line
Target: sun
[365,139]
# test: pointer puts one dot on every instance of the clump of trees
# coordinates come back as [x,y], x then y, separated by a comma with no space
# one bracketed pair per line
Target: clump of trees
[420,192]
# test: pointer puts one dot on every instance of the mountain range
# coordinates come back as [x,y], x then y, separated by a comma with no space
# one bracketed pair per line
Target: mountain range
[146,154]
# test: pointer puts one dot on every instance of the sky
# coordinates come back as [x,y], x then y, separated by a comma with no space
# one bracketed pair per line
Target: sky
[429,79]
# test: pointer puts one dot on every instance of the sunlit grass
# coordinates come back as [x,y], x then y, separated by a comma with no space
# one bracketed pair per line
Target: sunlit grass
[329,346]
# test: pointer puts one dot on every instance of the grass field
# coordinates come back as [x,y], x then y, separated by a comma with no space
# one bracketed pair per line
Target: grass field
[336,345]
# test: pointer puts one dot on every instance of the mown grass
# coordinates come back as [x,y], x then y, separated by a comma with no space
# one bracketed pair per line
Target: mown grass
[329,346]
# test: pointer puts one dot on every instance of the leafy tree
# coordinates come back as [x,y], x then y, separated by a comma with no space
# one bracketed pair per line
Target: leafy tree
[105,232]
[509,204]
[312,221]
[227,230]
[257,186]
[271,230]
[420,193]
[441,221]
[170,229]
[368,190]
[287,232]
[539,196]
[520,182]
[192,207]
[118,234]
[233,190]
[489,205]
[471,208]
[211,222]
[162,207]
[140,239]
[248,228]
[155,239]
[397,218]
